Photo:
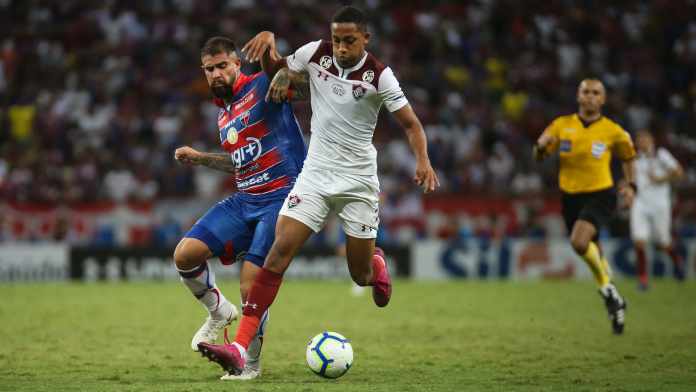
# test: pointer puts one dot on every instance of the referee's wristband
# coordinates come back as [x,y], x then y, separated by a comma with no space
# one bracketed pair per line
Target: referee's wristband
[633,186]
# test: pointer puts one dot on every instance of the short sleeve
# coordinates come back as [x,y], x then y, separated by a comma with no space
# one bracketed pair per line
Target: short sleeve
[667,159]
[623,145]
[299,60]
[389,90]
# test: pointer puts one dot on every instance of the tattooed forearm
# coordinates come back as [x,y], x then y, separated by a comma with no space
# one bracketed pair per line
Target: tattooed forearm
[300,83]
[222,162]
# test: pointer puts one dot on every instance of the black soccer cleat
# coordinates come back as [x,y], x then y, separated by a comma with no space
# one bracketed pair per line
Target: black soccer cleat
[616,307]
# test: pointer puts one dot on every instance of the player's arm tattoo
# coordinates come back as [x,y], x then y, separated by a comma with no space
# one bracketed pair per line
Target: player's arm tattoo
[217,161]
[283,80]
[300,83]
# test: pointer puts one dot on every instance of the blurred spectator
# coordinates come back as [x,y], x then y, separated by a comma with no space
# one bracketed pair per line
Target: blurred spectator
[94,96]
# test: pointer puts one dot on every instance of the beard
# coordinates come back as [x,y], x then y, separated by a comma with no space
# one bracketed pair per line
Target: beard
[222,91]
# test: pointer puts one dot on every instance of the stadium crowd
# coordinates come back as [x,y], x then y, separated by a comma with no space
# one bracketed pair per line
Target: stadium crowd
[95,96]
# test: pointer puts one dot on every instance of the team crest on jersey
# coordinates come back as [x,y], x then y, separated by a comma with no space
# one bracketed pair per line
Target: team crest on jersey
[358,92]
[325,62]
[293,200]
[232,135]
[565,145]
[245,118]
[598,149]
[338,89]
[368,76]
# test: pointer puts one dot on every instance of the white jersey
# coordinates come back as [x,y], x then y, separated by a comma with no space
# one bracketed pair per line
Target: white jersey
[650,194]
[345,105]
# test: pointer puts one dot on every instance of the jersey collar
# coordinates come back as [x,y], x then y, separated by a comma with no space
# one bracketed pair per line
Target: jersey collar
[343,72]
[239,83]
[588,124]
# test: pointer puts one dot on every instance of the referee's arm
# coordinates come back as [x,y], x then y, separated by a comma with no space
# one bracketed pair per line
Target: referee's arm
[541,148]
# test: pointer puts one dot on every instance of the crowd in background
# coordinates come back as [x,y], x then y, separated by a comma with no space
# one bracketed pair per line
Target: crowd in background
[95,96]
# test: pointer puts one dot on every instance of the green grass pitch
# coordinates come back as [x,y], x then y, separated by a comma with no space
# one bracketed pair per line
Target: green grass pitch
[454,336]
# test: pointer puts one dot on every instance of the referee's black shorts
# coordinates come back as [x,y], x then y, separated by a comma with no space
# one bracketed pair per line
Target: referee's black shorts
[595,207]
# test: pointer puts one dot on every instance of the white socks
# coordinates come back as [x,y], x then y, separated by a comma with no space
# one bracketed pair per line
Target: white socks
[201,282]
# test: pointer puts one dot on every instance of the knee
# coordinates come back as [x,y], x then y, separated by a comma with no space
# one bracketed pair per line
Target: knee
[579,245]
[186,259]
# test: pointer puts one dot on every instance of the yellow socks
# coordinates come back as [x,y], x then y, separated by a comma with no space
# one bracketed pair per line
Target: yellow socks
[598,265]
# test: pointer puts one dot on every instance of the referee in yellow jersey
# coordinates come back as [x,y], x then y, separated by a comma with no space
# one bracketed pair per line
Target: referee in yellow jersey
[586,142]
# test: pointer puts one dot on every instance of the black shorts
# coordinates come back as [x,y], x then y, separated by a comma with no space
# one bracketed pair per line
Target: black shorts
[595,207]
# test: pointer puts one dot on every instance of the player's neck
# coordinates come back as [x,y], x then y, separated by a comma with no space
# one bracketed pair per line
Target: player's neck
[362,56]
[588,118]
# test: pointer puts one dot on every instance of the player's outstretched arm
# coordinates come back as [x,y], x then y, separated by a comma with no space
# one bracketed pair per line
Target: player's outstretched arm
[262,48]
[425,175]
[218,161]
[542,148]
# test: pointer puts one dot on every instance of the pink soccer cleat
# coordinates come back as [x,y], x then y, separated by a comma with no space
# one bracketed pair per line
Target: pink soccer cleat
[230,356]
[381,284]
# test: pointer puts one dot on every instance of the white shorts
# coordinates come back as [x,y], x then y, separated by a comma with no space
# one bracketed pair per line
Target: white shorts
[354,198]
[651,223]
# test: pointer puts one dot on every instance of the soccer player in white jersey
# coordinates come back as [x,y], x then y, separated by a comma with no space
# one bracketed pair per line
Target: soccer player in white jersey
[651,213]
[348,86]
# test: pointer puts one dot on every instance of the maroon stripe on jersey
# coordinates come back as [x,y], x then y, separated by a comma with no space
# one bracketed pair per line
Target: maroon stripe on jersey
[369,72]
[325,49]
[258,131]
[271,186]
[264,163]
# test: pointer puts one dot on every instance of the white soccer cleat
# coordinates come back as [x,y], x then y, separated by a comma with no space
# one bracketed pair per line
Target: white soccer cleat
[209,331]
[250,372]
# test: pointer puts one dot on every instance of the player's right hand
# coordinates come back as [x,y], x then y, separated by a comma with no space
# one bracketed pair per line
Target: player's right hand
[258,45]
[187,155]
[425,177]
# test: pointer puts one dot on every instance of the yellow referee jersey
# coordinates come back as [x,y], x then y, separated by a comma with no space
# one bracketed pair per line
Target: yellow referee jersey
[585,152]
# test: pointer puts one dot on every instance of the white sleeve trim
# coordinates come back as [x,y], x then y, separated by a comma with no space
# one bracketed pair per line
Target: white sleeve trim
[389,90]
[299,60]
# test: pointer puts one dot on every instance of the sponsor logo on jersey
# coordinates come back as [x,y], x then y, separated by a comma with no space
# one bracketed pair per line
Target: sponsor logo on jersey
[250,152]
[338,89]
[242,172]
[598,149]
[232,135]
[366,228]
[245,100]
[325,62]
[568,129]
[358,91]
[254,180]
[565,145]
[293,200]
[368,76]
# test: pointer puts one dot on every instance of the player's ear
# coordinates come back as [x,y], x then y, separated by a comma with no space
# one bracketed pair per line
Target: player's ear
[366,37]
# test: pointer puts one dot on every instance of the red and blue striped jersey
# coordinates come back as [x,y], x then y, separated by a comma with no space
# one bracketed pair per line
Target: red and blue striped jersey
[263,139]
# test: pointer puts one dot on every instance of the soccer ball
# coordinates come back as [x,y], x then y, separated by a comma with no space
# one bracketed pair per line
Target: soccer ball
[329,354]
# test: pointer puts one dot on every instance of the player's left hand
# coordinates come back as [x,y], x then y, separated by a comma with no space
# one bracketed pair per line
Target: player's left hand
[279,87]
[627,194]
[426,177]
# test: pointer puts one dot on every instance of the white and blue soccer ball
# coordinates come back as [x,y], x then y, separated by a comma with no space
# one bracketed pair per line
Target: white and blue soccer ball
[329,354]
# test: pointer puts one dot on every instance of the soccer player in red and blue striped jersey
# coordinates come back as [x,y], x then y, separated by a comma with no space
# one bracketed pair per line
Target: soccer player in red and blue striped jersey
[264,150]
